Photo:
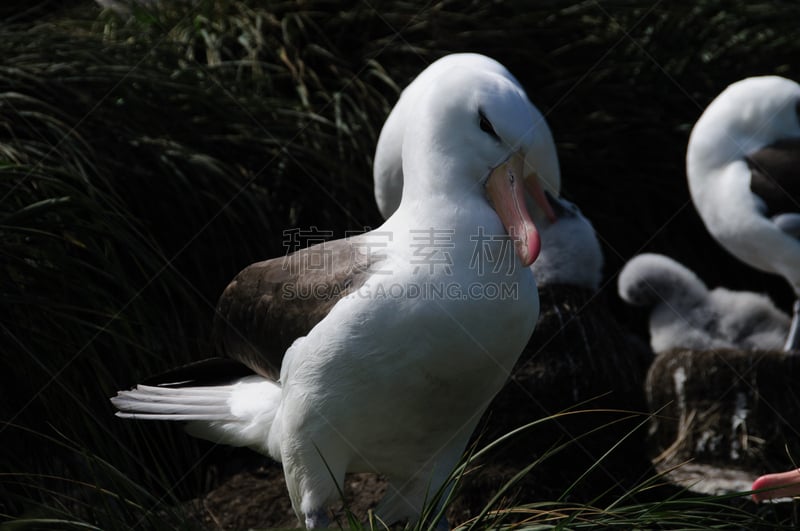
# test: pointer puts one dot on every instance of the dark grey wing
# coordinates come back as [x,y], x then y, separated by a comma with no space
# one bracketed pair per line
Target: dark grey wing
[270,304]
[775,176]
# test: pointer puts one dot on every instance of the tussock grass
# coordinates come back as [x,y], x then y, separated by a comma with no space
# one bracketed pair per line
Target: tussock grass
[614,78]
[144,160]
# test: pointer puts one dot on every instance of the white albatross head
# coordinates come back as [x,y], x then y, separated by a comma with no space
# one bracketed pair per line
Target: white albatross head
[746,116]
[469,136]
[541,159]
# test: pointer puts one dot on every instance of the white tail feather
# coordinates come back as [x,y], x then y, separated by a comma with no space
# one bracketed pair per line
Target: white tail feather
[186,391]
[239,414]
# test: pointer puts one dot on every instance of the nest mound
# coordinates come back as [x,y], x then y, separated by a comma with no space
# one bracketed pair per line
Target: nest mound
[733,414]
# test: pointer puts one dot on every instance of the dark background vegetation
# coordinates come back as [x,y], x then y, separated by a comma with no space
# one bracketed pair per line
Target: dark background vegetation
[144,160]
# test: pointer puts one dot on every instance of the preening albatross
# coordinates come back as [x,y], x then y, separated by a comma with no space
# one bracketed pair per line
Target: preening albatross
[743,166]
[396,374]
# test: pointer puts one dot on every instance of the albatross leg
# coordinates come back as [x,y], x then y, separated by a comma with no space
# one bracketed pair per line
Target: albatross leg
[792,345]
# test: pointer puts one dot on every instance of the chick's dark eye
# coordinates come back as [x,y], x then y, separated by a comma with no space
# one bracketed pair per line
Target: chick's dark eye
[486,126]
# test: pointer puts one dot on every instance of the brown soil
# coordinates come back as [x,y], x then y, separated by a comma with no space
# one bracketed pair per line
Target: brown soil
[257,498]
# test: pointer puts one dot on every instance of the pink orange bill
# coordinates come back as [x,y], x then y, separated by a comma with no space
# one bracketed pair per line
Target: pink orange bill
[506,191]
[783,485]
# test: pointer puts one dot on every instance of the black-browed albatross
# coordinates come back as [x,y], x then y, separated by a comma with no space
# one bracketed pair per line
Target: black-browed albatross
[384,382]
[743,166]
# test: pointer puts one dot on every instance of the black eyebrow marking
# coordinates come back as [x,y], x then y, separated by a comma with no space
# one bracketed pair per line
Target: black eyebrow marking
[486,125]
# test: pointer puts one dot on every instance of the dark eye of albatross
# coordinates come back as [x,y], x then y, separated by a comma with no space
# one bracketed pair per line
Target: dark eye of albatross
[486,126]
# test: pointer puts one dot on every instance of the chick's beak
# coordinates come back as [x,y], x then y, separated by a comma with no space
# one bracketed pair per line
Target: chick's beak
[534,186]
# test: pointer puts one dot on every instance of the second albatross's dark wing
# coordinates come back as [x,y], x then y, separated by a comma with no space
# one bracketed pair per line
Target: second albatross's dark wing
[775,176]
